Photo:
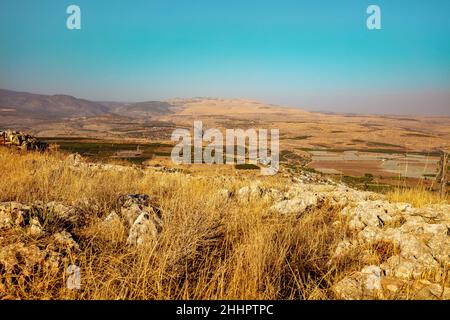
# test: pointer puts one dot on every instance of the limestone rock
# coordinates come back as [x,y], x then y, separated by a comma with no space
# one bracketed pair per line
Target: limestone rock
[344,247]
[359,286]
[32,216]
[146,228]
[297,205]
[22,140]
[369,284]
[143,219]
[374,213]
[19,256]
[35,228]
[273,195]
[403,268]
[394,288]
[252,192]
[255,191]
[65,240]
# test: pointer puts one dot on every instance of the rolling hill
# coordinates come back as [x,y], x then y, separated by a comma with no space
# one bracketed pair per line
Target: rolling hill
[58,107]
[38,106]
[144,109]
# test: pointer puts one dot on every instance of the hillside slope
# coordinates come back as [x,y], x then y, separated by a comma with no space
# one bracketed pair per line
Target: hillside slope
[37,106]
[148,234]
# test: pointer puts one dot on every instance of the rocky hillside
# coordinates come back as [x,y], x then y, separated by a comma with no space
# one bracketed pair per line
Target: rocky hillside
[57,107]
[413,242]
[151,234]
[38,106]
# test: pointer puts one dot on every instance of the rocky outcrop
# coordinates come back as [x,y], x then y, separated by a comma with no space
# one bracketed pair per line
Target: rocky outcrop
[256,191]
[142,218]
[37,218]
[22,140]
[136,211]
[419,238]
[369,284]
[51,226]
[297,205]
[47,247]
[301,197]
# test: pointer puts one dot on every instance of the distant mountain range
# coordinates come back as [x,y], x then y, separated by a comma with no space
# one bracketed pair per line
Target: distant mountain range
[56,107]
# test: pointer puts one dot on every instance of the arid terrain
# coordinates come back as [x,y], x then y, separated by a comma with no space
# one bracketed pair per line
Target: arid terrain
[150,233]
[394,150]
[352,214]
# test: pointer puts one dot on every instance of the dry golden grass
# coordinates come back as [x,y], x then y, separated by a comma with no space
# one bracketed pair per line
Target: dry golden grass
[210,248]
[417,196]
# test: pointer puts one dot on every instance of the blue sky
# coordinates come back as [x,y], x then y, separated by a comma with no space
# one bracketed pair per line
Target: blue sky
[316,55]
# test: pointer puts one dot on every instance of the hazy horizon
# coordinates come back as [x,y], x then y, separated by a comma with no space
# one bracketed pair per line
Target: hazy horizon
[304,54]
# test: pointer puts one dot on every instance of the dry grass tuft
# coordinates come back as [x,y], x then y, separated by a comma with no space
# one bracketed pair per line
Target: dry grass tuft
[417,196]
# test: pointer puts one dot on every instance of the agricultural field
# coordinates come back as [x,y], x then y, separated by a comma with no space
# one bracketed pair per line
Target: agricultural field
[104,150]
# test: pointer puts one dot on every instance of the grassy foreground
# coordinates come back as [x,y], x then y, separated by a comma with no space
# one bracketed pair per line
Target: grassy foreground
[210,247]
